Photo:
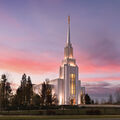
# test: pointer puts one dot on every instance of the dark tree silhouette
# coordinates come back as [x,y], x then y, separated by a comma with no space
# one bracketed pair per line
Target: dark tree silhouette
[43,94]
[29,91]
[110,99]
[24,93]
[36,100]
[5,92]
[87,99]
[117,96]
[46,94]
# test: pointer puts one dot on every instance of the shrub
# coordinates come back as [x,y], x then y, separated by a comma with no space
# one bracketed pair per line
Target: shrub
[93,112]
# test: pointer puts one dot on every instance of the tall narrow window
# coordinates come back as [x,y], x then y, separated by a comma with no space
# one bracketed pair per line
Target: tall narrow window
[72,84]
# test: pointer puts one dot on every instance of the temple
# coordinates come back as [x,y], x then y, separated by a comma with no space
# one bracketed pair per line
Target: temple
[68,87]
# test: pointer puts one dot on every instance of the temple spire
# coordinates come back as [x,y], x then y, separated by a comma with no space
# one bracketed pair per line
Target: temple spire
[68,50]
[68,32]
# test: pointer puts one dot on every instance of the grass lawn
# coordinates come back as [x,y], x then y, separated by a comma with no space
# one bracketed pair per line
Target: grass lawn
[27,117]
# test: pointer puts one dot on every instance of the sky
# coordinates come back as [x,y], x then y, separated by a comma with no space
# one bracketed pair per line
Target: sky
[33,35]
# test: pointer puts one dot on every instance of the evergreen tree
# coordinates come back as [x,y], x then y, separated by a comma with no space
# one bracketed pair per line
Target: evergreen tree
[117,96]
[110,100]
[23,89]
[36,100]
[17,99]
[87,99]
[24,93]
[5,92]
[29,90]
[43,94]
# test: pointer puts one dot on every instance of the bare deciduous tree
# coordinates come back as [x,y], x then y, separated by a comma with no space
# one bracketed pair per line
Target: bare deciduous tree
[117,96]
[110,99]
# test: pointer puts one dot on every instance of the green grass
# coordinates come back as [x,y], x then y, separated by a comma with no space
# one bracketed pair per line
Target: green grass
[22,117]
[80,111]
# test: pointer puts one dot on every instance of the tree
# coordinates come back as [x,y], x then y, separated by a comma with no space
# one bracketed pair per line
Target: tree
[103,101]
[82,99]
[110,100]
[43,93]
[23,90]
[96,101]
[46,94]
[29,91]
[17,99]
[117,96]
[24,93]
[5,92]
[36,100]
[92,102]
[87,99]
[54,99]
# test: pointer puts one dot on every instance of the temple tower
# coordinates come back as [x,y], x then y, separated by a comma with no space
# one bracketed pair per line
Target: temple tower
[69,73]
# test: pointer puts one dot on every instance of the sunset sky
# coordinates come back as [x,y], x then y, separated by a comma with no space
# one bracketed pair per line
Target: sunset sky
[33,36]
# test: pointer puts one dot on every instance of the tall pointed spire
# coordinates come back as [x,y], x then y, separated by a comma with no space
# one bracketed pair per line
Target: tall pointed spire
[68,50]
[68,32]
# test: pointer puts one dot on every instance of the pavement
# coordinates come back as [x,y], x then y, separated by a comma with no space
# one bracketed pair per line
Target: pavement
[115,106]
[92,119]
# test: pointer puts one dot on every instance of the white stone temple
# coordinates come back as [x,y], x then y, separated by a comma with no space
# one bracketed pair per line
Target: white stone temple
[68,86]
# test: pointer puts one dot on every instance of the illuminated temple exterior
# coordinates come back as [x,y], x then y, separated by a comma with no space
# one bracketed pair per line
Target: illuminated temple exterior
[68,86]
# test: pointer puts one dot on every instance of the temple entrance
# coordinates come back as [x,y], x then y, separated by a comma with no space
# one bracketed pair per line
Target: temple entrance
[72,101]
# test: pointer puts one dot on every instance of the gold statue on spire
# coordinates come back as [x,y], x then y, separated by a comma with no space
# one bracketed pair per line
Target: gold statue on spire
[68,19]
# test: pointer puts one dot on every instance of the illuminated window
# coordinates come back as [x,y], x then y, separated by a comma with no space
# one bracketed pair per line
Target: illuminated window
[72,84]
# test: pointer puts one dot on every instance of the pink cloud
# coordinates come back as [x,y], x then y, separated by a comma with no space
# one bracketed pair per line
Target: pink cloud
[100,79]
[21,61]
[18,61]
[87,64]
[21,65]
